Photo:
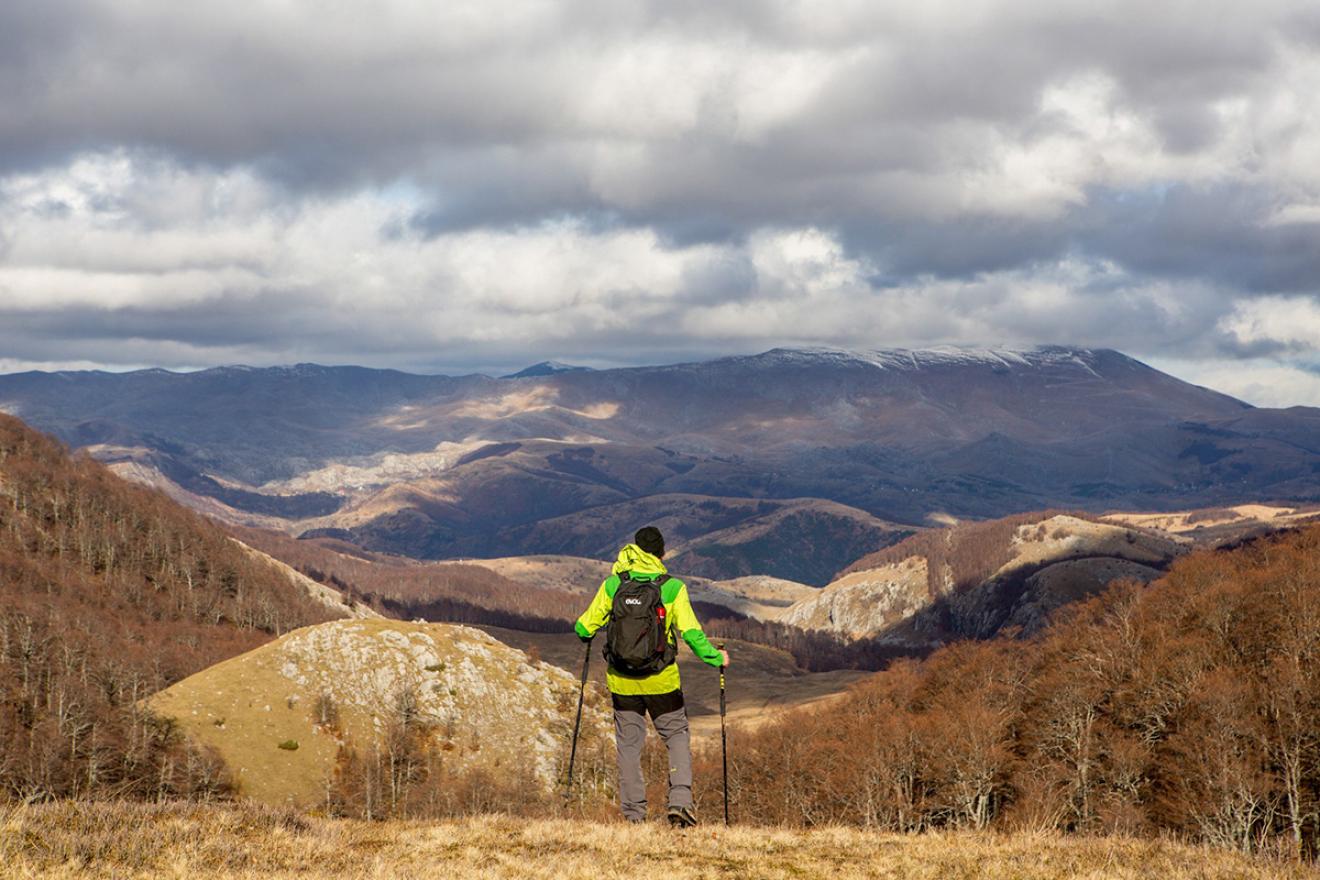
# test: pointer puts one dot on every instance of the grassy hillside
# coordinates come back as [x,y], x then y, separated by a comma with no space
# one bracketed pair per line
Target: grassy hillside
[99,840]
[286,716]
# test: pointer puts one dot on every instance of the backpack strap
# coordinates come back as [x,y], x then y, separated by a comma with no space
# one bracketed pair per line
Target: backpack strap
[659,580]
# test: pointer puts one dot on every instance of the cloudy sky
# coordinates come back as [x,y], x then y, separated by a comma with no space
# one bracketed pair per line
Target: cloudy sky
[449,186]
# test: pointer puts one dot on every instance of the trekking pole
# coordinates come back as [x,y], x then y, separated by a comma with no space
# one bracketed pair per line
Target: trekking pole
[724,743]
[586,661]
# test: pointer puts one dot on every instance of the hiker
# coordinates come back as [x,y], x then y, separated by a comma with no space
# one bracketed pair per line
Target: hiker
[647,610]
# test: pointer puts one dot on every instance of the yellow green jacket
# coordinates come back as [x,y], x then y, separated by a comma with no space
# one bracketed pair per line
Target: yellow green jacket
[679,619]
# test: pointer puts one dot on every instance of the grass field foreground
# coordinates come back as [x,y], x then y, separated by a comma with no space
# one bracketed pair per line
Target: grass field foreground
[88,840]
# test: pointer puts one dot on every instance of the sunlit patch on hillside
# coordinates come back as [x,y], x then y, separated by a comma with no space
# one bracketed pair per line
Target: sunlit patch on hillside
[598,411]
[538,399]
[377,470]
[404,419]
[1192,520]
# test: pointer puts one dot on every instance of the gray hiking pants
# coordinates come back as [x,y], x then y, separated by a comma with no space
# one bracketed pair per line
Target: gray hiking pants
[670,718]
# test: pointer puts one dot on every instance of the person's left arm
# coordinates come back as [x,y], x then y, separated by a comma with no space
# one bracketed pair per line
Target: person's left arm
[685,621]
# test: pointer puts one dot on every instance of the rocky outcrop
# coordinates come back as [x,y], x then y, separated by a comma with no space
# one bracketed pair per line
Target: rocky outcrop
[865,603]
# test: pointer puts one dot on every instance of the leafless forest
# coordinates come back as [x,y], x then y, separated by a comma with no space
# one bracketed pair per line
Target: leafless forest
[109,592]
[1188,706]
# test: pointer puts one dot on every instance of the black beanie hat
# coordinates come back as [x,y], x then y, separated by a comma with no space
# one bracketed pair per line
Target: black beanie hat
[650,540]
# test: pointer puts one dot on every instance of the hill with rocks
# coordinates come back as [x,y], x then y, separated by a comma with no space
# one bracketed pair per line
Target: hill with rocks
[331,712]
[974,580]
[846,451]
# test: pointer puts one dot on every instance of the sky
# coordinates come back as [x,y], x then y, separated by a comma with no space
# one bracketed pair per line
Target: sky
[453,187]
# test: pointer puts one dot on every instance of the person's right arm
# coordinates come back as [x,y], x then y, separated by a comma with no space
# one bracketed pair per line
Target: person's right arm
[596,615]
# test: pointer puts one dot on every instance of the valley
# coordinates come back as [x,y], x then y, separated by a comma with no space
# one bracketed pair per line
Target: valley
[762,682]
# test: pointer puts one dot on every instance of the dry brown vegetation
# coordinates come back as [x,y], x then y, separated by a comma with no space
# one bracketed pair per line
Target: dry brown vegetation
[102,840]
[1188,707]
[109,592]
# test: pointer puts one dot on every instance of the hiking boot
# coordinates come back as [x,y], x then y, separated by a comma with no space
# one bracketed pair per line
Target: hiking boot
[682,817]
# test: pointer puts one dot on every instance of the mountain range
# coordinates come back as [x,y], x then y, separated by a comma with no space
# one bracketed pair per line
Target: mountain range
[792,463]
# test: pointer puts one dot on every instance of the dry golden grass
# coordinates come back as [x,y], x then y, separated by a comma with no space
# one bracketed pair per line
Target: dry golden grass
[103,840]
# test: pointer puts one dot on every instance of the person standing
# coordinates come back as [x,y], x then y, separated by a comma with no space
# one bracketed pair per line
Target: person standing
[646,610]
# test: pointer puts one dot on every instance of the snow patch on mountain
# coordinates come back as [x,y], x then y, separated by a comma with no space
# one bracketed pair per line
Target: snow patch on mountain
[912,359]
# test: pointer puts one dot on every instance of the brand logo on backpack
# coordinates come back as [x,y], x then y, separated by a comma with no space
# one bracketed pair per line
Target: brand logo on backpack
[637,643]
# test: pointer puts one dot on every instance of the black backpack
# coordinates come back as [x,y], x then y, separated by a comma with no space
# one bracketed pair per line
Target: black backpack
[637,643]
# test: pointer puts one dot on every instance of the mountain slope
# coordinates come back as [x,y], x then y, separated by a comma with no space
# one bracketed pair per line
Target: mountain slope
[973,580]
[109,591]
[439,467]
[1181,707]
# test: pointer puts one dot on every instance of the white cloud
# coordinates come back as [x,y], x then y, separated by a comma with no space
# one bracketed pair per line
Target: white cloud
[1291,322]
[1258,381]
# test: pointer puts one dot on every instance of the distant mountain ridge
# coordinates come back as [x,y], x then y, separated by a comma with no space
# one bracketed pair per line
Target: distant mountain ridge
[440,466]
[545,368]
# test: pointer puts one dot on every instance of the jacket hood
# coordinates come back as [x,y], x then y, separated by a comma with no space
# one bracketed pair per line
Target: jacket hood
[638,561]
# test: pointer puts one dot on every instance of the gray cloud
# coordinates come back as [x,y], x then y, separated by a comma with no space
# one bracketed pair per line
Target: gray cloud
[433,186]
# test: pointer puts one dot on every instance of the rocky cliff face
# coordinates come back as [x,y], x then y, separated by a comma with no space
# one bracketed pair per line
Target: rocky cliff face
[865,603]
